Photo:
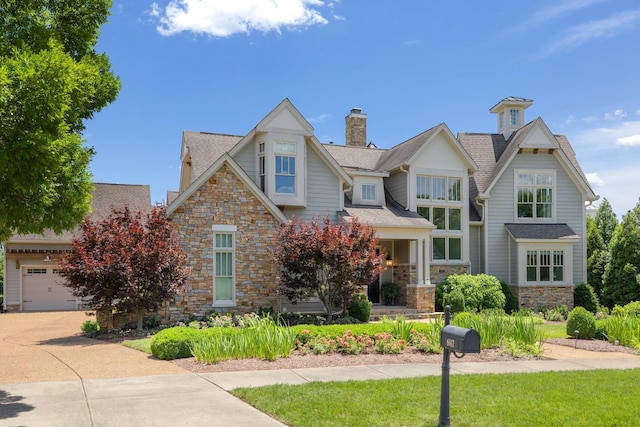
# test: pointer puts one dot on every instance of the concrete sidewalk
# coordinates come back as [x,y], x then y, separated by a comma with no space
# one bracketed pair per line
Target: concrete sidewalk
[199,399]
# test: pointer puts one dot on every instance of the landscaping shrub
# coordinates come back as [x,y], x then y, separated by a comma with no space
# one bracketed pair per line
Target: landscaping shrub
[90,327]
[585,296]
[480,291]
[583,321]
[510,302]
[557,314]
[360,307]
[174,343]
[455,300]
[633,309]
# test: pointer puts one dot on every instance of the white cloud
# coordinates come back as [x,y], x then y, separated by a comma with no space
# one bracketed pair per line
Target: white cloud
[629,141]
[223,18]
[321,118]
[595,180]
[625,134]
[558,10]
[594,30]
[154,11]
[617,114]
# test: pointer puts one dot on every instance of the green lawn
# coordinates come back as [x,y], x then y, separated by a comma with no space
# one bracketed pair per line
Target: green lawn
[143,344]
[554,329]
[576,398]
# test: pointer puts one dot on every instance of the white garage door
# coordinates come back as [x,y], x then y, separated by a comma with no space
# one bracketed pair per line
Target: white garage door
[41,290]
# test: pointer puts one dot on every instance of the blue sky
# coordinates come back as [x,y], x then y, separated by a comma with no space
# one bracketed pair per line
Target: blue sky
[221,66]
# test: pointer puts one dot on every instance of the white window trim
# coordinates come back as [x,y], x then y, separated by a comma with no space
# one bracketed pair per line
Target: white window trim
[298,198]
[554,195]
[542,246]
[224,229]
[375,192]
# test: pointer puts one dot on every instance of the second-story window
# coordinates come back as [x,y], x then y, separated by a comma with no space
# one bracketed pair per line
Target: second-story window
[439,200]
[534,194]
[261,165]
[285,156]
[368,193]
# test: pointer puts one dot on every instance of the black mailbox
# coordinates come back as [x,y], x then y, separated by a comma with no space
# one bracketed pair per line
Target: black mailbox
[460,340]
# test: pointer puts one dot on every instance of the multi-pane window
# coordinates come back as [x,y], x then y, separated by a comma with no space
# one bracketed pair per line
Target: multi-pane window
[501,120]
[369,192]
[545,266]
[514,117]
[224,267]
[285,167]
[534,194]
[423,187]
[261,165]
[439,200]
[438,188]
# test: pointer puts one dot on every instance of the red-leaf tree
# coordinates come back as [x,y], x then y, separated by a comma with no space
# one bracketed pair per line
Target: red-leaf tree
[126,262]
[332,261]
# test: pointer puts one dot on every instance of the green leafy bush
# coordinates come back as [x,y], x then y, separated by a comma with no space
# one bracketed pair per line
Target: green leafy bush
[583,321]
[480,291]
[174,343]
[455,300]
[388,292]
[585,296]
[90,327]
[633,309]
[360,307]
[510,302]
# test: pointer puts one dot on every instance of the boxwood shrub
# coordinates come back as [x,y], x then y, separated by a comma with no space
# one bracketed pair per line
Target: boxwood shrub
[176,343]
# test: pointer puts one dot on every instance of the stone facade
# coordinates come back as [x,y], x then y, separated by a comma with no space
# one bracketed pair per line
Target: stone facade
[421,298]
[225,200]
[535,297]
[356,128]
[440,272]
[403,274]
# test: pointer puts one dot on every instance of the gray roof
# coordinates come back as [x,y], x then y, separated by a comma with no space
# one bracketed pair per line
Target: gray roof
[401,153]
[104,198]
[205,148]
[357,158]
[541,231]
[391,215]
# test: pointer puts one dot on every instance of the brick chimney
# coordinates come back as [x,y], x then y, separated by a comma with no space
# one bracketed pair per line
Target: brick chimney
[356,128]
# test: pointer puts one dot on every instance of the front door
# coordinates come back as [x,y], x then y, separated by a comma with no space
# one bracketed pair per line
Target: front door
[373,290]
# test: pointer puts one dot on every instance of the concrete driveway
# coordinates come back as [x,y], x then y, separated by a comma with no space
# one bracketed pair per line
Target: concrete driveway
[38,347]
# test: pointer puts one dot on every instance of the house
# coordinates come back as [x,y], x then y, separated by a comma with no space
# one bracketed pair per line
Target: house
[509,204]
[31,282]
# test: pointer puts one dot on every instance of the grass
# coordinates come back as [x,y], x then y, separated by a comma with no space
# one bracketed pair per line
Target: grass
[554,329]
[143,344]
[576,398]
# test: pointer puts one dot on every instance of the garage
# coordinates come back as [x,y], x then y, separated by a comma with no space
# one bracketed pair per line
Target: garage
[42,291]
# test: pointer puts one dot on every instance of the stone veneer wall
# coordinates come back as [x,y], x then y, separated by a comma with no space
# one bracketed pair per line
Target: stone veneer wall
[422,298]
[225,200]
[403,275]
[440,272]
[535,297]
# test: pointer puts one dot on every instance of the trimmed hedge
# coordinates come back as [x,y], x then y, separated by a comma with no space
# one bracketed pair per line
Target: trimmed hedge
[176,343]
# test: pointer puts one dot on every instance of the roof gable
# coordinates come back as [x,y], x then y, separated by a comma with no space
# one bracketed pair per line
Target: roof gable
[408,151]
[241,174]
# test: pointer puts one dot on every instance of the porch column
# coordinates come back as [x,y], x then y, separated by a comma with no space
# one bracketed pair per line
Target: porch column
[420,262]
[427,262]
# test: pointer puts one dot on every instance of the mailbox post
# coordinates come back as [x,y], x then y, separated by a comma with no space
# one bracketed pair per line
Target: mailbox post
[457,340]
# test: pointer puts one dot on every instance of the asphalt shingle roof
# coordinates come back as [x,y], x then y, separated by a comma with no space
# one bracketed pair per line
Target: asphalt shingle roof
[391,215]
[105,197]
[541,231]
[205,148]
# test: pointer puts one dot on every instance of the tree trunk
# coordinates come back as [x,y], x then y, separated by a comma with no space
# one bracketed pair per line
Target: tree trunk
[140,318]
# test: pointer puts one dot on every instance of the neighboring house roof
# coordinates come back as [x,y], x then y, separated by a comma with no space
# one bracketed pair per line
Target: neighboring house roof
[204,148]
[391,215]
[541,232]
[171,196]
[104,198]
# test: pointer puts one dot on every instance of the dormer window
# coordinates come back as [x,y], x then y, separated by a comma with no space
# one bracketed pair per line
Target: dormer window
[368,193]
[285,167]
[279,168]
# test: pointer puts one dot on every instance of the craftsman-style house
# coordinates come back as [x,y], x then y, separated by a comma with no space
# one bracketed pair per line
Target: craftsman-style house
[509,204]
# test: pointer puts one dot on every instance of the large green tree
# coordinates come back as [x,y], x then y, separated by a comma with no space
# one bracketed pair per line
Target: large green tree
[597,257]
[51,81]
[606,221]
[621,282]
